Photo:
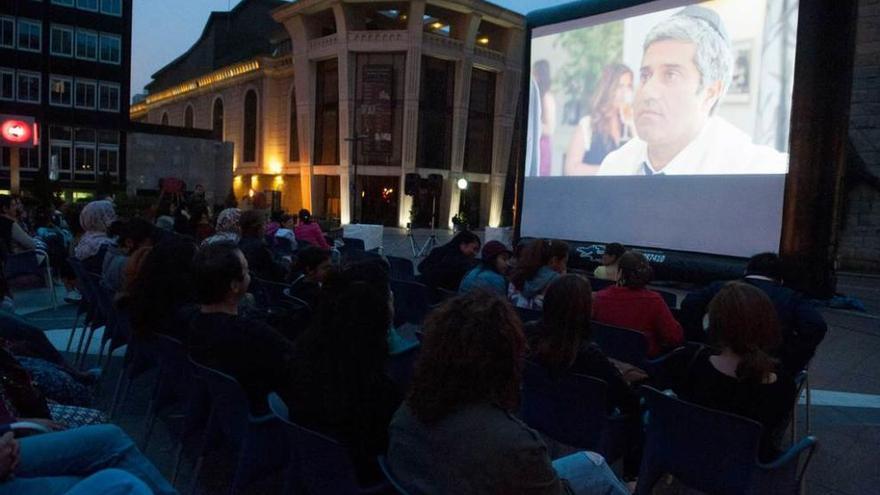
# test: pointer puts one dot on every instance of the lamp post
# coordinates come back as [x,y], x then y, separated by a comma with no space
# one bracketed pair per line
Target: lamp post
[354,147]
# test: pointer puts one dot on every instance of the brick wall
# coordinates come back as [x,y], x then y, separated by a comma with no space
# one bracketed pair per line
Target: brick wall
[859,248]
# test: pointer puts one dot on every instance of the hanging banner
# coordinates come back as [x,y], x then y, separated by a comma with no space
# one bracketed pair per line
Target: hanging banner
[377,114]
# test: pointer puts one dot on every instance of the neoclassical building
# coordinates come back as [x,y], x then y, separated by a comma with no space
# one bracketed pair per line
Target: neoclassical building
[333,102]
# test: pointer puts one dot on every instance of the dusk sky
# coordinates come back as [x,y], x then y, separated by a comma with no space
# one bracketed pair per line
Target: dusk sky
[164,29]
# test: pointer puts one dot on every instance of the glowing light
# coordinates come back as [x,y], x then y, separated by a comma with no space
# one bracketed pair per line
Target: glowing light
[16,131]
[278,182]
[483,41]
[437,25]
[462,184]
[251,193]
[386,194]
[275,166]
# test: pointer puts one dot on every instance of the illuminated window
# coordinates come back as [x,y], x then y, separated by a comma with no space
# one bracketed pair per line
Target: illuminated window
[60,91]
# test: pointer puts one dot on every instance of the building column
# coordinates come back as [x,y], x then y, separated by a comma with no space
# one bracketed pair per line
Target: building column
[304,82]
[507,89]
[346,75]
[410,137]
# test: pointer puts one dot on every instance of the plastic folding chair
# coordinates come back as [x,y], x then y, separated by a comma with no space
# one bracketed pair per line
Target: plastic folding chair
[401,268]
[802,382]
[317,464]
[29,263]
[629,346]
[386,470]
[84,308]
[88,286]
[572,409]
[257,440]
[412,302]
[713,451]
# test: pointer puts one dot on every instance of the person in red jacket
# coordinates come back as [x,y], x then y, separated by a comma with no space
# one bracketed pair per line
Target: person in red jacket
[630,305]
[309,231]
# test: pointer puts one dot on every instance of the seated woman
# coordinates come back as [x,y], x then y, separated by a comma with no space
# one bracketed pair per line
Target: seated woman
[630,305]
[540,262]
[309,271]
[457,432]
[228,227]
[249,350]
[253,245]
[741,377]
[491,273]
[608,269]
[91,460]
[95,220]
[338,384]
[446,265]
[560,341]
[309,231]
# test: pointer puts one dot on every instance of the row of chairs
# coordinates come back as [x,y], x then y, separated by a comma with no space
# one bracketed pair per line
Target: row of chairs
[36,262]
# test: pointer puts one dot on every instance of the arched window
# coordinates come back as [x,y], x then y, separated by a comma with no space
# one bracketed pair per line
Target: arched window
[217,119]
[249,146]
[188,117]
[164,118]
[293,134]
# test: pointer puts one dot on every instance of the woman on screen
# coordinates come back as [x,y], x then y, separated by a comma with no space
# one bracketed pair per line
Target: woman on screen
[609,125]
[541,73]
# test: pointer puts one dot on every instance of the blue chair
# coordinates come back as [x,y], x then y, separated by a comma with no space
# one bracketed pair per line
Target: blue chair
[29,263]
[412,302]
[84,308]
[94,317]
[401,268]
[317,464]
[257,440]
[571,409]
[386,470]
[103,316]
[629,346]
[713,451]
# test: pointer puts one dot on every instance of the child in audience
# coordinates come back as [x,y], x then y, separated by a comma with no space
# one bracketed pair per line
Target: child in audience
[741,377]
[457,432]
[309,231]
[540,262]
[630,305]
[446,265]
[338,384]
[608,269]
[491,273]
[309,271]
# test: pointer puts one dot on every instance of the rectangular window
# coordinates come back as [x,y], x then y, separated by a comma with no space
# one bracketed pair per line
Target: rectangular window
[29,87]
[29,158]
[7,32]
[84,161]
[379,91]
[63,3]
[61,42]
[60,160]
[108,160]
[436,101]
[111,48]
[7,84]
[30,35]
[327,113]
[86,45]
[481,123]
[60,91]
[90,5]
[108,97]
[85,94]
[111,7]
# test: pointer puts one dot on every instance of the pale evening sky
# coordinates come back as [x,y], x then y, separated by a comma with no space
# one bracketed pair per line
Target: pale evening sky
[164,29]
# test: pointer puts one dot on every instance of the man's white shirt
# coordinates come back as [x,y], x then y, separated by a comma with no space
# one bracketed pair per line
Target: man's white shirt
[720,149]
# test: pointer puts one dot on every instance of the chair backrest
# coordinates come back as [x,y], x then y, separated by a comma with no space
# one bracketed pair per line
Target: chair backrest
[668,297]
[16,265]
[412,301]
[317,462]
[401,268]
[386,470]
[81,280]
[229,403]
[268,294]
[708,450]
[622,344]
[569,408]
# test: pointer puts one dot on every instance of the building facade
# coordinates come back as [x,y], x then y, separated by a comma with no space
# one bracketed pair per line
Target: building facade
[333,103]
[67,63]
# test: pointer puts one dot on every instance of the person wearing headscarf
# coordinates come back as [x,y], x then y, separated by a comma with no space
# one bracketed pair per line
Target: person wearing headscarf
[228,227]
[95,220]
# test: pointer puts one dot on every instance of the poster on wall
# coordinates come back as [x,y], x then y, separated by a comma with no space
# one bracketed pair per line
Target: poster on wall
[377,114]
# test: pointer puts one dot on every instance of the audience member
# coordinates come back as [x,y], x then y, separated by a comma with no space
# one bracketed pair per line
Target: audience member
[457,431]
[630,305]
[13,238]
[249,350]
[131,236]
[608,269]
[338,384]
[91,460]
[491,273]
[540,262]
[253,246]
[742,377]
[446,265]
[228,227]
[95,219]
[309,271]
[285,231]
[309,231]
[274,224]
[803,328]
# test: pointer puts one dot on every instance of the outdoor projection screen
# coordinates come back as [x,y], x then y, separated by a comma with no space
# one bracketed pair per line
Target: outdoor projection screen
[663,125]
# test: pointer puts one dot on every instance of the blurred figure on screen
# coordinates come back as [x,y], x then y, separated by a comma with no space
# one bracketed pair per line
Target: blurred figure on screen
[686,70]
[609,125]
[541,75]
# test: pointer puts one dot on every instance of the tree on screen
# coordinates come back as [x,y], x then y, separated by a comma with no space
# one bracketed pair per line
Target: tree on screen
[588,50]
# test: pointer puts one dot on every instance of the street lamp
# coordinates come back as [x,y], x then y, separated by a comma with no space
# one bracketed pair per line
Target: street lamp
[462,184]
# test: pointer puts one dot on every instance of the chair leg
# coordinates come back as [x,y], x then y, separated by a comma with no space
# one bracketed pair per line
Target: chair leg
[85,351]
[72,332]
[807,408]
[113,402]
[79,347]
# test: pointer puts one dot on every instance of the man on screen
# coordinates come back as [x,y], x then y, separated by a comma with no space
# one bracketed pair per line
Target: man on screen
[686,70]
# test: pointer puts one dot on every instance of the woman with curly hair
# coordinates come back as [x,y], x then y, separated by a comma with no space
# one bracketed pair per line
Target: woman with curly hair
[457,433]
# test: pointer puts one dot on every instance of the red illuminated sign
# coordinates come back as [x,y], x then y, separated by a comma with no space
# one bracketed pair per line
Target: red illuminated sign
[18,131]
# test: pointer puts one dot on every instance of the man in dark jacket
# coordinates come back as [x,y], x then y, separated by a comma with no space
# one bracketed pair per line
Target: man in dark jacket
[803,328]
[446,265]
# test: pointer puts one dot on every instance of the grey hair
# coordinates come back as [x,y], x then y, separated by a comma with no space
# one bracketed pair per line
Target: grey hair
[713,57]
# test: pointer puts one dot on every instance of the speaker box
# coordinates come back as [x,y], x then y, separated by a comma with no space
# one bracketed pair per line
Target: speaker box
[411,184]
